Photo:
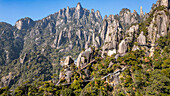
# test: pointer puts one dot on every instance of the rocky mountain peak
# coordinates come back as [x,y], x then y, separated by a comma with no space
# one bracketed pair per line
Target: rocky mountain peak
[125,16]
[79,11]
[78,7]
[97,14]
[141,12]
[124,10]
[24,23]
[92,10]
[134,11]
[105,17]
[163,3]
[68,9]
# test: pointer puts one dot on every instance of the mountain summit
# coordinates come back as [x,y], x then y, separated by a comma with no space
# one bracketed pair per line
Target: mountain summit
[78,7]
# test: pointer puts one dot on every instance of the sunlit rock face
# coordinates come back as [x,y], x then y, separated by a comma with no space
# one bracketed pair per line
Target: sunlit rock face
[24,23]
[163,3]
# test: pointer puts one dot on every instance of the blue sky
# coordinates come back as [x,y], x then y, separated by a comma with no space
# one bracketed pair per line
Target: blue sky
[12,10]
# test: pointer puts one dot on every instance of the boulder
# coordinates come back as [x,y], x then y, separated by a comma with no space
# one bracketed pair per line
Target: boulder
[68,76]
[68,61]
[122,47]
[151,52]
[141,39]
[117,56]
[135,47]
[111,52]
[85,57]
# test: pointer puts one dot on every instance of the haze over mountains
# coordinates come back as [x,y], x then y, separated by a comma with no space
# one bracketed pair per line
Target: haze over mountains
[37,49]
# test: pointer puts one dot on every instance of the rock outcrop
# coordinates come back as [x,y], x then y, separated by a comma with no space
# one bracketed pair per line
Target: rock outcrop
[113,35]
[68,75]
[127,18]
[163,3]
[141,39]
[122,47]
[68,61]
[141,12]
[24,23]
[135,47]
[6,80]
[85,57]
[159,22]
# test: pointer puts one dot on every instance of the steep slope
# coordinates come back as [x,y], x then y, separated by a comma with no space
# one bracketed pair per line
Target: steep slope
[38,48]
[63,33]
[136,60]
[10,45]
[64,29]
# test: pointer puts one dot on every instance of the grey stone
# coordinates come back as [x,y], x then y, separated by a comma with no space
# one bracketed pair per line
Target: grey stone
[117,56]
[84,57]
[162,22]
[135,47]
[68,61]
[162,3]
[111,52]
[6,79]
[141,39]
[24,23]
[141,12]
[122,47]
[68,76]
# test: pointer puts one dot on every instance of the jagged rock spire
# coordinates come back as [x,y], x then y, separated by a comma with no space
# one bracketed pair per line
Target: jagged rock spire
[92,10]
[134,11]
[97,14]
[141,12]
[105,17]
[79,11]
[78,7]
[67,11]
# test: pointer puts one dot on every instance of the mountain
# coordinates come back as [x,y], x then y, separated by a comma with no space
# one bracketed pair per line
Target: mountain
[63,33]
[76,44]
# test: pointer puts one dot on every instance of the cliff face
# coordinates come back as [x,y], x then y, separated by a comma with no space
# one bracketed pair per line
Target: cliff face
[122,34]
[68,31]
[152,27]
[63,33]
[70,26]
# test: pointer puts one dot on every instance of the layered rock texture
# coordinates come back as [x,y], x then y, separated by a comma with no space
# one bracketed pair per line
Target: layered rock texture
[69,31]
